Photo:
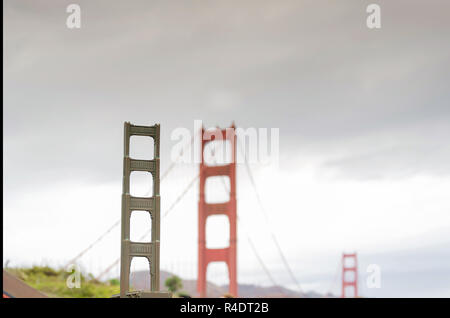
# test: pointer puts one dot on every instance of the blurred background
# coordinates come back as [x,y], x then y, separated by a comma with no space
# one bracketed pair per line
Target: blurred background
[363,117]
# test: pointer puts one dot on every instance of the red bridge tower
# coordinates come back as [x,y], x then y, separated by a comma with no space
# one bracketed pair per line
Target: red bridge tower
[228,254]
[353,268]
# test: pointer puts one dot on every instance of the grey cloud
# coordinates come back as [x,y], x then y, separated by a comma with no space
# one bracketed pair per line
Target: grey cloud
[310,68]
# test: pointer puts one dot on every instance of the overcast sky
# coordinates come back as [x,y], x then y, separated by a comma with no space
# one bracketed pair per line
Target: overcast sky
[364,119]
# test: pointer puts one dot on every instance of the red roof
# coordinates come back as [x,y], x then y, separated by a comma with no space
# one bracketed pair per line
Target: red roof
[15,288]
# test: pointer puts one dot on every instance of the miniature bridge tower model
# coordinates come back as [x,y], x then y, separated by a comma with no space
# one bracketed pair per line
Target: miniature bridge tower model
[130,249]
[228,254]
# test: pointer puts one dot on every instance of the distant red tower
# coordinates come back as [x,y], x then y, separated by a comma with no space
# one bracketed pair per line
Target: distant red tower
[228,254]
[353,268]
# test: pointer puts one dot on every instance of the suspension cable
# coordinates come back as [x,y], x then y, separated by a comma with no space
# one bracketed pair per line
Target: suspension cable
[93,243]
[258,257]
[336,274]
[258,197]
[181,196]
[172,165]
[252,245]
[177,200]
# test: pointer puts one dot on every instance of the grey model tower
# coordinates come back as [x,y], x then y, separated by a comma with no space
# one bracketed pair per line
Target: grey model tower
[130,249]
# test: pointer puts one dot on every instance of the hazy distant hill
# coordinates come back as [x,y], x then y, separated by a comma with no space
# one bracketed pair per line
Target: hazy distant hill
[141,280]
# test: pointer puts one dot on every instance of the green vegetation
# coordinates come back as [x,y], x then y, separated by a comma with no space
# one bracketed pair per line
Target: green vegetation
[52,282]
[183,295]
[174,285]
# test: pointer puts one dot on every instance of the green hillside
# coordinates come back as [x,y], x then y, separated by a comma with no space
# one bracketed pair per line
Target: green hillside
[53,282]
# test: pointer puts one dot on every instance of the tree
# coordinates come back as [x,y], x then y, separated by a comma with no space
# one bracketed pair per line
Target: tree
[174,283]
